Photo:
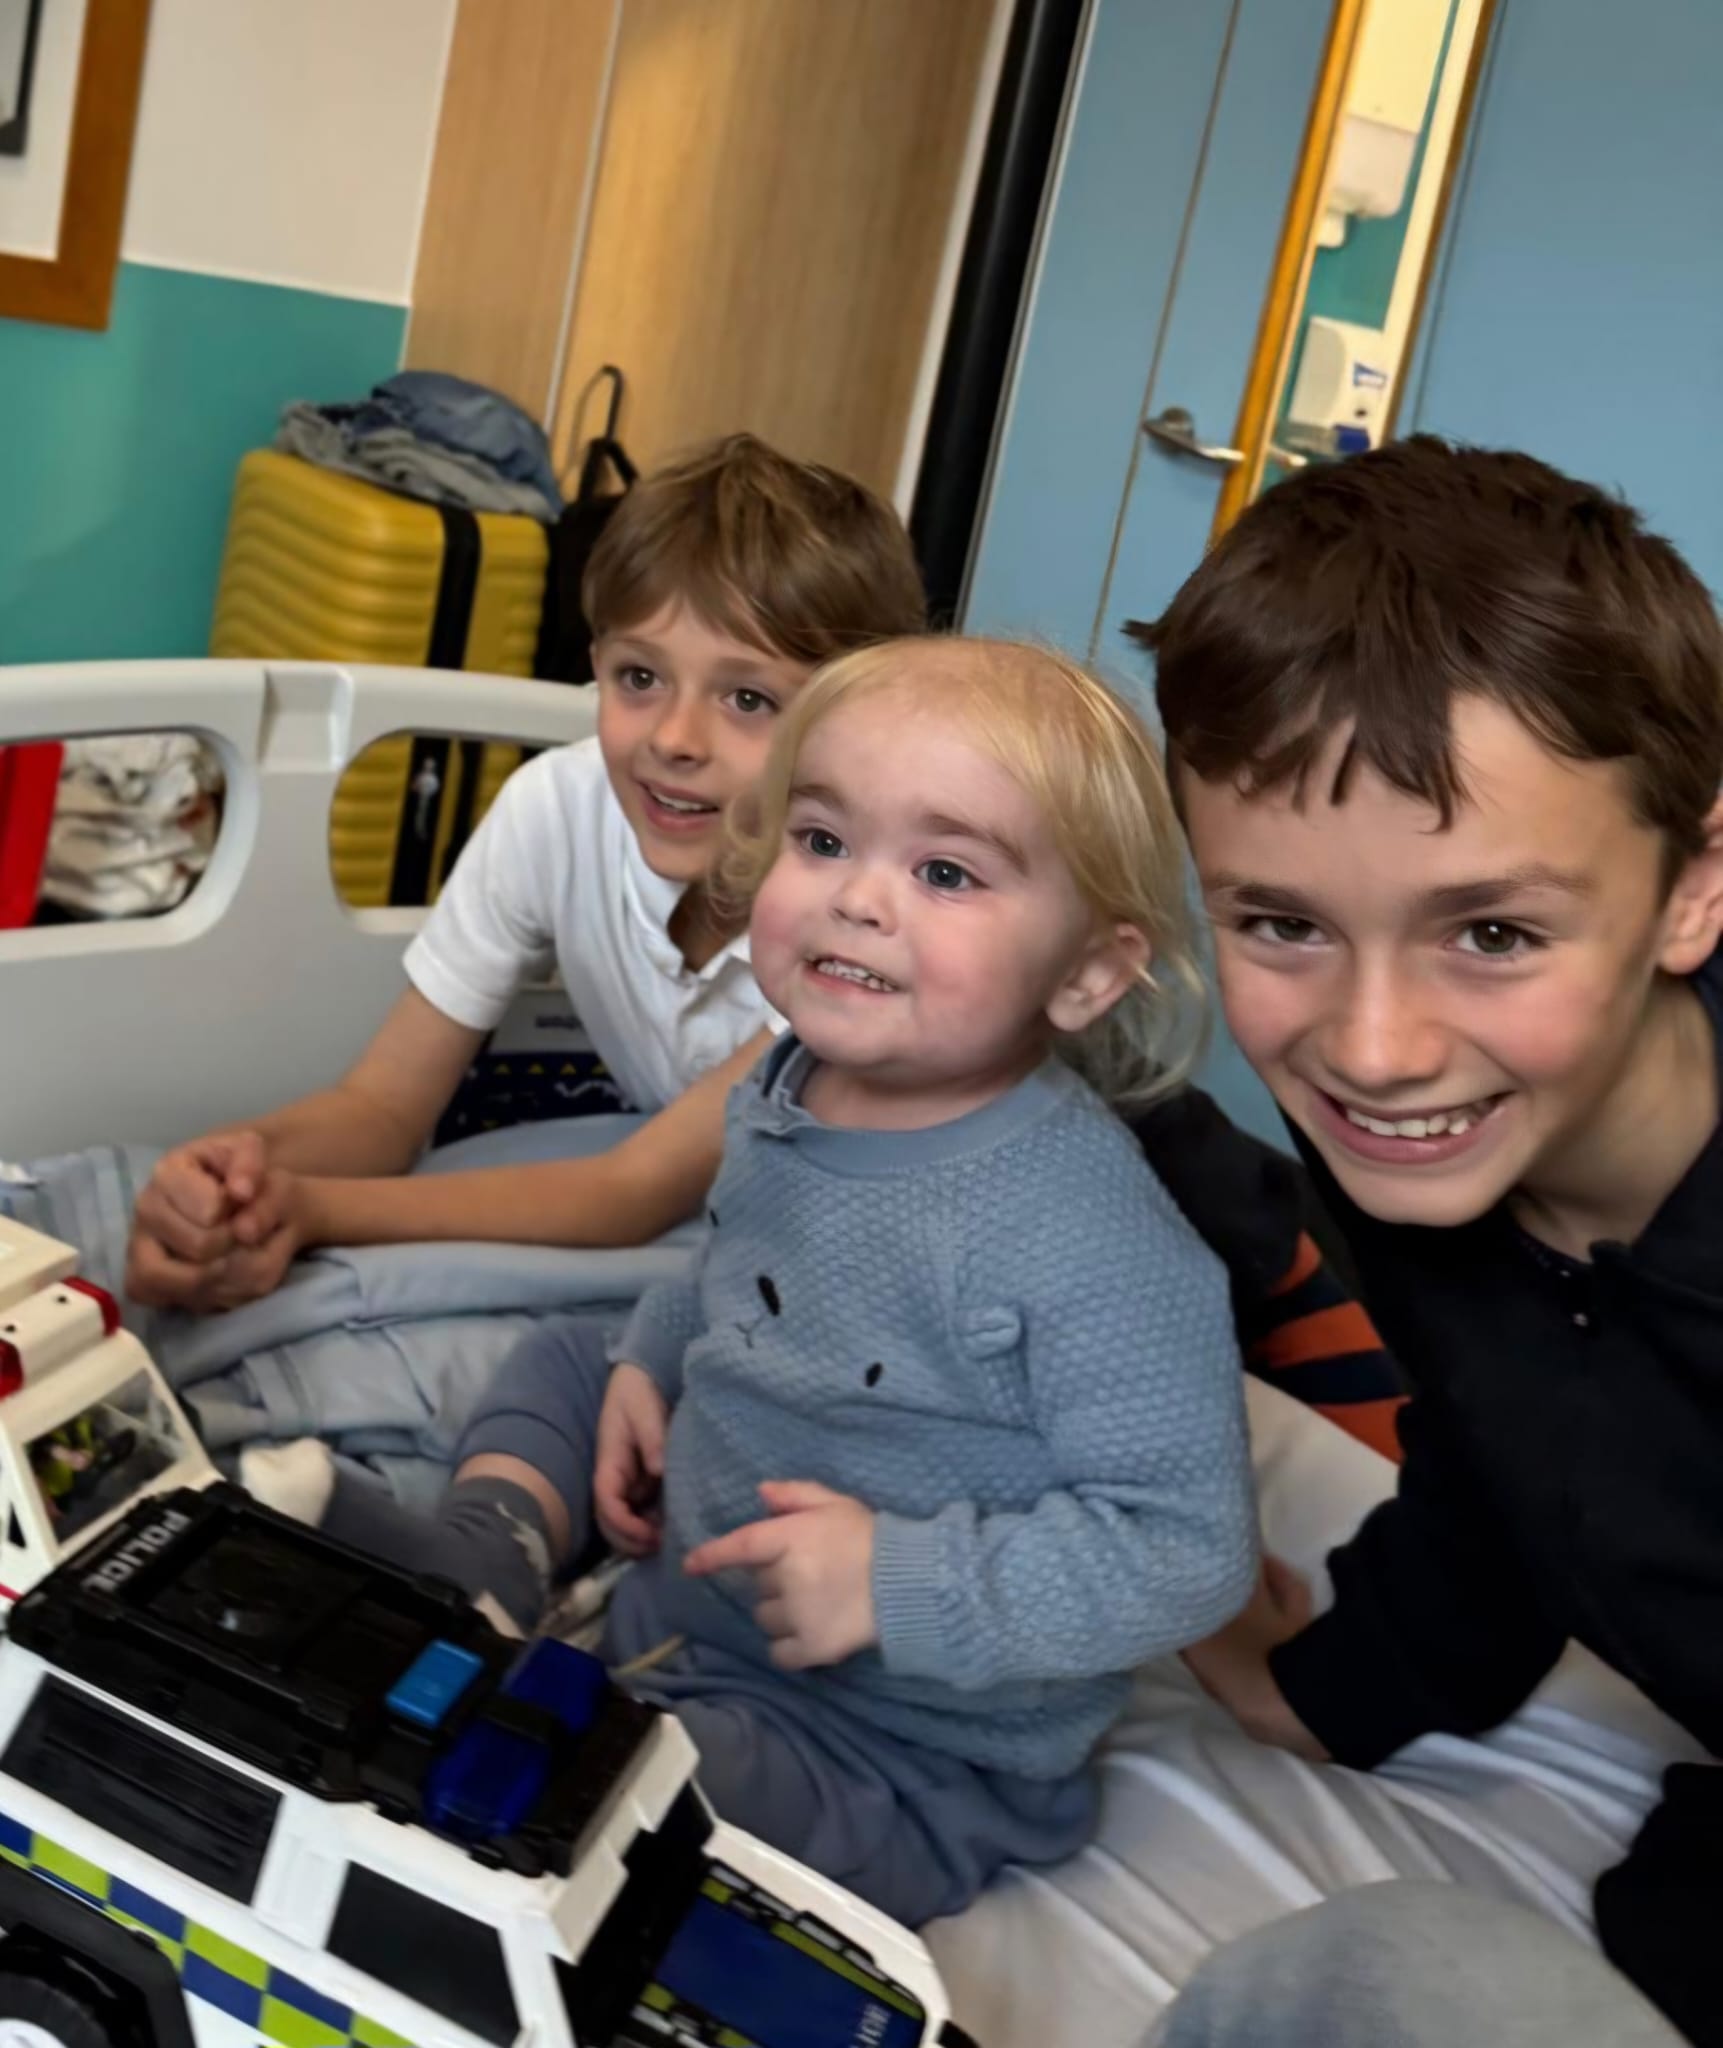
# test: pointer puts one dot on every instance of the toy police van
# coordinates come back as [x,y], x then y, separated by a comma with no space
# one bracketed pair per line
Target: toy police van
[258,1788]
[87,1423]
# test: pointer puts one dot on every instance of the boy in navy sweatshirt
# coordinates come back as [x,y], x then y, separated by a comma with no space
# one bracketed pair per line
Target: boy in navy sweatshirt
[1446,730]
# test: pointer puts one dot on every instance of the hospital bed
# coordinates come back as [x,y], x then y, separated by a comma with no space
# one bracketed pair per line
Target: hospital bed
[262,985]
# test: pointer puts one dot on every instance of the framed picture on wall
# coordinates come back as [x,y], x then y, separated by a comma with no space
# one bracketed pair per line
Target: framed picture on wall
[20,23]
[69,85]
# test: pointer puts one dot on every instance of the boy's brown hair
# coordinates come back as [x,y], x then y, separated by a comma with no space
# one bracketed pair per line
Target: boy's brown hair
[790,557]
[1369,594]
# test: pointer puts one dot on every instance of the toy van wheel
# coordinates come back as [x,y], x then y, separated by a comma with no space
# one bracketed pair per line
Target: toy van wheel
[34,2014]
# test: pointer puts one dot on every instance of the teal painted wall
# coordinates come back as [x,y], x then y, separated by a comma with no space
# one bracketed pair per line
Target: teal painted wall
[117,450]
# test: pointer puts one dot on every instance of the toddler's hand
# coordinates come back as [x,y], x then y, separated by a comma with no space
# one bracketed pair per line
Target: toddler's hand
[813,1570]
[1232,1665]
[629,1468]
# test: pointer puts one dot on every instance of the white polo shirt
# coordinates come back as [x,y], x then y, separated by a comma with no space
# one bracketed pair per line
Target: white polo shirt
[554,876]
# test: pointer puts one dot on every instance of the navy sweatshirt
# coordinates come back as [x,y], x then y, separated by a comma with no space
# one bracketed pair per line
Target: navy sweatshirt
[1562,1477]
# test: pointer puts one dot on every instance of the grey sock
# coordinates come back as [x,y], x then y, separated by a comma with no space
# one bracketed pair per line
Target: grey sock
[488,1536]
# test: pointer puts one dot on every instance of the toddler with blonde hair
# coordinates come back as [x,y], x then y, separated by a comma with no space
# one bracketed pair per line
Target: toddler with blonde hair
[942,1433]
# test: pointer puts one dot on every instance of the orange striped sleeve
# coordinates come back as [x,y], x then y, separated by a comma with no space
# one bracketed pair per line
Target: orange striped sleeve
[1304,1262]
[1325,1333]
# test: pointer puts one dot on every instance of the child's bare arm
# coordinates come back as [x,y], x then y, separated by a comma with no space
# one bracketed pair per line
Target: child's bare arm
[654,1179]
[379,1116]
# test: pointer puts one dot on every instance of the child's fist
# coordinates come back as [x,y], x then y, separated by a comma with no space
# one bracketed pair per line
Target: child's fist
[187,1220]
[268,1235]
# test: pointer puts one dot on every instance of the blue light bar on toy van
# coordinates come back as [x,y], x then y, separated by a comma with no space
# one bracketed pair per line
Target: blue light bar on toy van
[493,1776]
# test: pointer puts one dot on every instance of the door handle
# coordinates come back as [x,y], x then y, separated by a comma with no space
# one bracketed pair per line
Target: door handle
[1174,428]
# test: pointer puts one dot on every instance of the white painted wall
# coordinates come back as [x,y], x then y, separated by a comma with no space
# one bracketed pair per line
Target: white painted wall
[288,141]
[31,184]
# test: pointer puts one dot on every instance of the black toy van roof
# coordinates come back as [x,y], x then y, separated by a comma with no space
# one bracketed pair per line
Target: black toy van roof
[314,1663]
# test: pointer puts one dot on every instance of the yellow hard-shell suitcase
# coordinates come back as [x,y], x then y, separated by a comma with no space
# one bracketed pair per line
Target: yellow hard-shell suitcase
[325,567]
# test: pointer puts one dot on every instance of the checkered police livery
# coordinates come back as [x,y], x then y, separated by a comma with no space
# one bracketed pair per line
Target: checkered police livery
[224,1976]
[260,1791]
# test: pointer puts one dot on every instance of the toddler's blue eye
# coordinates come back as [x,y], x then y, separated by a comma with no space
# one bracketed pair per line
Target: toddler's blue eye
[945,875]
[823,845]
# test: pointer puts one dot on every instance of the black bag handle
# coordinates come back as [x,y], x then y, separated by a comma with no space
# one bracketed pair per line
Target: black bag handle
[605,450]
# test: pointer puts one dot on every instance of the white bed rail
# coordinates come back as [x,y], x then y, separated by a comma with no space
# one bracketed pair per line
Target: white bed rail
[263,984]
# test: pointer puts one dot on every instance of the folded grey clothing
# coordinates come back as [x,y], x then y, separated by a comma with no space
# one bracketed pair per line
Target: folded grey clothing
[398,460]
[456,413]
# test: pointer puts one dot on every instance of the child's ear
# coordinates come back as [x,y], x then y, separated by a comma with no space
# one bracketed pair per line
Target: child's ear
[1109,964]
[1693,916]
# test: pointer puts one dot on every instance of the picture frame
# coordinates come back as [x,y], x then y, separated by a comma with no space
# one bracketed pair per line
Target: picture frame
[74,287]
[20,27]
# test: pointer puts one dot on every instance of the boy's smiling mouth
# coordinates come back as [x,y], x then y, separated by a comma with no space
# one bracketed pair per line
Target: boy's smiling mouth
[679,801]
[1427,1138]
[674,813]
[1432,1123]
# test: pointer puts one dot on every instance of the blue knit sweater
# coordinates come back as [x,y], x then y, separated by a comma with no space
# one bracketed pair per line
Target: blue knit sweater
[1002,1336]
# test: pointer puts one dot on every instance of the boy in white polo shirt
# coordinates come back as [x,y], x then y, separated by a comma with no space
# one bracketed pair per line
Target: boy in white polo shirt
[720,583]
